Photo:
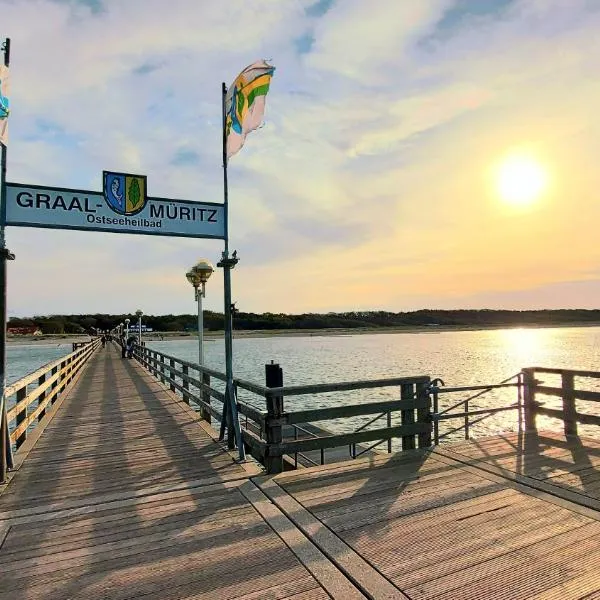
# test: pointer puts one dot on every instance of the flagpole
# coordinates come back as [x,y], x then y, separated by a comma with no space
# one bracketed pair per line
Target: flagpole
[230,417]
[6,461]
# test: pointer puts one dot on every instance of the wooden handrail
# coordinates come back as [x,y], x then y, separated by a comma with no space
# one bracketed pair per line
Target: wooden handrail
[263,428]
[51,379]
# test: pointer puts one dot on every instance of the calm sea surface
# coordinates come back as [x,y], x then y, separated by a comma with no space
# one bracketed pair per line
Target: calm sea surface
[22,360]
[459,358]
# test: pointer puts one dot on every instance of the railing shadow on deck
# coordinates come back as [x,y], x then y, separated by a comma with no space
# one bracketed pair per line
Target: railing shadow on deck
[105,418]
[569,462]
[26,401]
[277,436]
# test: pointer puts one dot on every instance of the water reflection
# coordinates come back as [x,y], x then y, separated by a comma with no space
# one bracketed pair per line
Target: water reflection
[460,358]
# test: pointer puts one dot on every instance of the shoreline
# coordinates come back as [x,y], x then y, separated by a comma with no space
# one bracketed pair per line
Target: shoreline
[63,339]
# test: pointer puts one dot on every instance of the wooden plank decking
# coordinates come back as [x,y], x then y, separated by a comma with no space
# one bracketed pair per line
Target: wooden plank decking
[435,528]
[127,495]
[568,466]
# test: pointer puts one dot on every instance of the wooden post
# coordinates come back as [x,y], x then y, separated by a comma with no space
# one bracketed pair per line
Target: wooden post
[529,405]
[54,384]
[4,447]
[274,434]
[424,414]
[186,383]
[42,396]
[407,417]
[171,374]
[569,409]
[206,398]
[21,416]
[161,368]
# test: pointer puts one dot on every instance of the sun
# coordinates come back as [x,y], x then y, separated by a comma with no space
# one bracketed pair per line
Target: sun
[521,180]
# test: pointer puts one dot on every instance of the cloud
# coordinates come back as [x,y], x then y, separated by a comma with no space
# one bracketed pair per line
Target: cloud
[369,184]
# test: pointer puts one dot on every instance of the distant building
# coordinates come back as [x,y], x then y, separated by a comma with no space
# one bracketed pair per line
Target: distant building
[24,331]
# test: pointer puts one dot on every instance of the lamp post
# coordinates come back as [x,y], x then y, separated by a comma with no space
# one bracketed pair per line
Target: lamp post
[127,328]
[138,314]
[198,276]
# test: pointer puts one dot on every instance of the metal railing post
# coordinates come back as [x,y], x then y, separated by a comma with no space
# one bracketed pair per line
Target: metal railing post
[436,409]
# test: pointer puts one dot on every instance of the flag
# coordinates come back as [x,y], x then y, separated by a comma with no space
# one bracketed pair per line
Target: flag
[4,104]
[245,104]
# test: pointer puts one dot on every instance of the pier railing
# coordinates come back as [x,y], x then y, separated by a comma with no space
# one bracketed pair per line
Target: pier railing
[275,434]
[28,399]
[272,433]
[568,391]
[461,410]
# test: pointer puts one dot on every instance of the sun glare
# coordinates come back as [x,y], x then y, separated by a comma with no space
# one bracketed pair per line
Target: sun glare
[521,180]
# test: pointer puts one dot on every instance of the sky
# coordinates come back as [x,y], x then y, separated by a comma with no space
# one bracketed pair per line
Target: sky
[372,184]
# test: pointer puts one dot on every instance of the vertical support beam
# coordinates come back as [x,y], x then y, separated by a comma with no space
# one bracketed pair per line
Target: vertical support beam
[6,461]
[206,398]
[161,368]
[61,376]
[186,383]
[21,416]
[423,414]
[42,396]
[273,461]
[171,374]
[4,445]
[569,409]
[407,417]
[54,384]
[436,409]
[529,405]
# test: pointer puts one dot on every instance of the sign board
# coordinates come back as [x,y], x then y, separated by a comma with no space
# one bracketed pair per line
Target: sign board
[122,207]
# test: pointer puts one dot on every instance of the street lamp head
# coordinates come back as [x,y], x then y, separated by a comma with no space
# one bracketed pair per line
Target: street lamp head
[203,269]
[138,313]
[127,321]
[191,277]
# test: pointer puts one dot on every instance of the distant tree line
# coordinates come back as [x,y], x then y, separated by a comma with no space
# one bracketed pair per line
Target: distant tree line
[213,321]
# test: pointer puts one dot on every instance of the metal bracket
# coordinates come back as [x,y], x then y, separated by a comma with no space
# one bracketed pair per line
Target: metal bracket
[6,254]
[228,262]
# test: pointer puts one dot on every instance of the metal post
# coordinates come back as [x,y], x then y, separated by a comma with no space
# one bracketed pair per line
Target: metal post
[230,413]
[140,331]
[199,296]
[6,459]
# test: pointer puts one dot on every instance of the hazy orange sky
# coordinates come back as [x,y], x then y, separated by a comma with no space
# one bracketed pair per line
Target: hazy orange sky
[372,184]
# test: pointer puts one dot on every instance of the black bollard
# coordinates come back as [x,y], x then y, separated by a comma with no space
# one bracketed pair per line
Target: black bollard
[274,431]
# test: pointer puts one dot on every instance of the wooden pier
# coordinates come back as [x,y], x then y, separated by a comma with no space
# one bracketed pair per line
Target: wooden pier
[122,491]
